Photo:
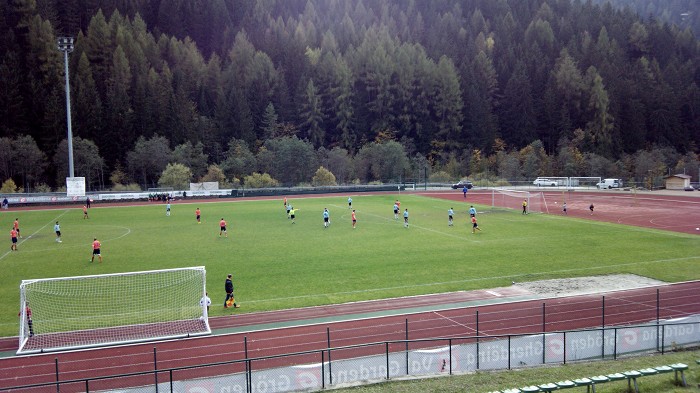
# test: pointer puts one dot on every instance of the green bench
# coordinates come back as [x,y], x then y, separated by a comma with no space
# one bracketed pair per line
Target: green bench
[678,368]
[590,383]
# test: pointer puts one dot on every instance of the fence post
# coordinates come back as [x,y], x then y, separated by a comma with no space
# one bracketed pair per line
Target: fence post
[663,338]
[171,380]
[155,368]
[58,385]
[544,325]
[603,324]
[87,387]
[658,304]
[477,339]
[386,344]
[323,369]
[564,346]
[509,352]
[450,353]
[544,351]
[248,373]
[615,343]
[406,346]
[602,343]
[330,370]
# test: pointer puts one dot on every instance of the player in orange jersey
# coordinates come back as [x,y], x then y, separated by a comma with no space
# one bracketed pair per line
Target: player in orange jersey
[475,226]
[198,213]
[96,245]
[222,227]
[13,236]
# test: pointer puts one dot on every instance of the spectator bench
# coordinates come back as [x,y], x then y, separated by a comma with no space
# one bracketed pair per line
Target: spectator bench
[590,383]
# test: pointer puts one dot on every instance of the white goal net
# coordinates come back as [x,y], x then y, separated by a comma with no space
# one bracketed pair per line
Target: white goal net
[88,311]
[513,199]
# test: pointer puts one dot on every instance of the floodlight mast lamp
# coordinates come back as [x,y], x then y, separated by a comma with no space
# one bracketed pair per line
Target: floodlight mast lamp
[65,45]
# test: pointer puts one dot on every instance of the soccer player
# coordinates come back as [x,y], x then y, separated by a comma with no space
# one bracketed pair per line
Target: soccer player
[13,237]
[326,218]
[30,324]
[167,209]
[472,211]
[450,213]
[398,204]
[96,250]
[591,208]
[464,191]
[285,202]
[228,286]
[354,219]
[15,226]
[85,212]
[524,206]
[349,203]
[289,209]
[292,214]
[396,211]
[222,227]
[475,226]
[563,208]
[57,229]
[205,300]
[405,218]
[198,214]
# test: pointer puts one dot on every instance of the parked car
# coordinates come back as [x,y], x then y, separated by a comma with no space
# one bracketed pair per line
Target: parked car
[689,188]
[541,181]
[609,183]
[461,184]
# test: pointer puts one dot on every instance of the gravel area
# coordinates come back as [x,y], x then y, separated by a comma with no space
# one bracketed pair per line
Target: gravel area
[588,285]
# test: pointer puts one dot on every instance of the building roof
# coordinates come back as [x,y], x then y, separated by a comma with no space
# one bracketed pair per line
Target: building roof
[680,175]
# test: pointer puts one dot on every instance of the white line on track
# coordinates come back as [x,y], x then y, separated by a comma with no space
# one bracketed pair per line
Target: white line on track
[37,231]
[455,322]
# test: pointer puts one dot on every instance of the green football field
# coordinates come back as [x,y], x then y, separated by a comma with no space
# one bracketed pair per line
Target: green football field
[278,265]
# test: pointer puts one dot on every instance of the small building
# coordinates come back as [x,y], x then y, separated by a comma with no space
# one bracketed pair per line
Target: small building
[677,182]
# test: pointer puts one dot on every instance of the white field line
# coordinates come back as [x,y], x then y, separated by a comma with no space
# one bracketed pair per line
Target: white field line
[37,231]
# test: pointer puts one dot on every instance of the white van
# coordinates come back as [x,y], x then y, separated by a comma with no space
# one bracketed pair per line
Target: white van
[609,183]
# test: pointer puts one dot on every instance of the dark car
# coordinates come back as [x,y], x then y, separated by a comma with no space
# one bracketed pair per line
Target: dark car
[460,185]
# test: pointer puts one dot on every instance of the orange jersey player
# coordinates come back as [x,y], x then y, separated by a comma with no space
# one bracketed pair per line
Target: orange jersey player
[475,226]
[198,214]
[13,237]
[15,226]
[354,219]
[96,246]
[222,227]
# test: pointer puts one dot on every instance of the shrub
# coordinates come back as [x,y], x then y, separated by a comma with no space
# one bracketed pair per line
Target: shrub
[257,180]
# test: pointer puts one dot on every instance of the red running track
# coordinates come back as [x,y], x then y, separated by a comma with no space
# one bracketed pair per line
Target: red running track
[528,316]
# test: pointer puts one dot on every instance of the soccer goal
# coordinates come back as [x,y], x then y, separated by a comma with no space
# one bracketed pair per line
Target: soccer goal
[513,199]
[89,311]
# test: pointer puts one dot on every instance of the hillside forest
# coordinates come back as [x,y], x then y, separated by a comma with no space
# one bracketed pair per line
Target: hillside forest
[290,92]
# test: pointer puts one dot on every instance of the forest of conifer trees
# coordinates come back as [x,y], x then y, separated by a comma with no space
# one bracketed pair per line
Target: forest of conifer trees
[371,90]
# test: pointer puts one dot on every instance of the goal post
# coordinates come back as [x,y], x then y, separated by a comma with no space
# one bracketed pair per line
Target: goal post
[89,311]
[513,199]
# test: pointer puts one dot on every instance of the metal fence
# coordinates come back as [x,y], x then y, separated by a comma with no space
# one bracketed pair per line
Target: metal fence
[332,367]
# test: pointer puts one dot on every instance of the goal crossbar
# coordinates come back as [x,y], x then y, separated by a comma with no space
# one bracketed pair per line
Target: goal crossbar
[96,310]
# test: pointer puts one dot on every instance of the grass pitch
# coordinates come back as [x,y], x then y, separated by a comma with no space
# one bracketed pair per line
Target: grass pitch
[277,264]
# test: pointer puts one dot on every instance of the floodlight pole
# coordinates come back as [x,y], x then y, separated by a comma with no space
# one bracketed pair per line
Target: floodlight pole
[65,45]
